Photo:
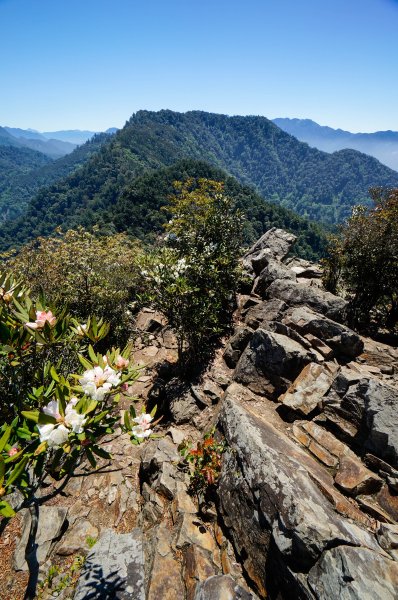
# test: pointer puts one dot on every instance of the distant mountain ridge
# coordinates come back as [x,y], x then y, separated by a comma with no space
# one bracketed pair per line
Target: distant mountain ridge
[382,145]
[320,186]
[54,144]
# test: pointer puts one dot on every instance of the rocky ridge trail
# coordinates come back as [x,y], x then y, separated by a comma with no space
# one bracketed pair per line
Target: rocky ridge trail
[307,501]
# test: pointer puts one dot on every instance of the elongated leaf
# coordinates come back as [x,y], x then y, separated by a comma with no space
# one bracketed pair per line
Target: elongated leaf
[153,411]
[5,437]
[92,354]
[17,472]
[2,470]
[85,363]
[90,457]
[45,419]
[31,415]
[54,374]
[6,510]
[127,421]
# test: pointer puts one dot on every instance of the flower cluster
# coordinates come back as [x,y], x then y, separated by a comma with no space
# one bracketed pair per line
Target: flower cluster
[142,429]
[56,434]
[42,317]
[99,381]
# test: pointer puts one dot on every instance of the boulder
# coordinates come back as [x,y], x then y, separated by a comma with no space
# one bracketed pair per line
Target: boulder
[272,271]
[372,407]
[236,345]
[269,361]
[339,337]
[49,529]
[299,293]
[114,568]
[264,312]
[348,573]
[308,389]
[280,505]
[275,243]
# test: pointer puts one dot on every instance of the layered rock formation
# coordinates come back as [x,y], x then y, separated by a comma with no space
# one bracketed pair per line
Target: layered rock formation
[308,488]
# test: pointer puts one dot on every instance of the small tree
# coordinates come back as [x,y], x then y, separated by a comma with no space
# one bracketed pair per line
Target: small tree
[363,260]
[193,278]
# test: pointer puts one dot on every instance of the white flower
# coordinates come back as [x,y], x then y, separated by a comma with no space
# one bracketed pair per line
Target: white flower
[54,435]
[52,409]
[73,419]
[97,382]
[143,420]
[139,432]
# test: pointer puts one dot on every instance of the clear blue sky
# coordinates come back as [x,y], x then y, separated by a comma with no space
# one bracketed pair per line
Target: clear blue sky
[89,64]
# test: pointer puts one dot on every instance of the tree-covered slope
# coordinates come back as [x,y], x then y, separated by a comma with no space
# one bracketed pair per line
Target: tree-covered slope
[23,172]
[139,211]
[283,170]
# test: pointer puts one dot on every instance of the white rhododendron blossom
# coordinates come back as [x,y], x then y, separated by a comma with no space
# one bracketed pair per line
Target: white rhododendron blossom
[42,317]
[56,434]
[142,429]
[98,381]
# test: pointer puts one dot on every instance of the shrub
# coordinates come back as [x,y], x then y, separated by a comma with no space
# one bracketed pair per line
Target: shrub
[53,418]
[90,274]
[363,261]
[193,278]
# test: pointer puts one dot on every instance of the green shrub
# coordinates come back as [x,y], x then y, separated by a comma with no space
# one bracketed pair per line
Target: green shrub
[193,277]
[90,274]
[363,261]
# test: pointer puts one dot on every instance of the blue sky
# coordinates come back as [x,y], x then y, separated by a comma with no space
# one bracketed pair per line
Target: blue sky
[89,64]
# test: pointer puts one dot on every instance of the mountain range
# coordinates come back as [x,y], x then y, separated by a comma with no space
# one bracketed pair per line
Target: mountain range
[382,145]
[54,144]
[93,187]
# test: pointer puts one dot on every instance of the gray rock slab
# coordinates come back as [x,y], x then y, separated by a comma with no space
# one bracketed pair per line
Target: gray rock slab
[300,293]
[51,520]
[339,337]
[276,243]
[271,497]
[373,407]
[221,587]
[347,573]
[268,359]
[114,568]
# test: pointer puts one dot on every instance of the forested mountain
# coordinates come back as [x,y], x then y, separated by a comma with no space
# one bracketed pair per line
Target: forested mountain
[382,145]
[283,170]
[23,172]
[138,211]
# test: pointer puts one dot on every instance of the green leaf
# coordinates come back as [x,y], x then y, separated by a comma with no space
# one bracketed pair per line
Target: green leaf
[90,457]
[92,354]
[5,437]
[153,411]
[31,415]
[45,419]
[2,470]
[6,510]
[54,374]
[85,363]
[17,472]
[127,421]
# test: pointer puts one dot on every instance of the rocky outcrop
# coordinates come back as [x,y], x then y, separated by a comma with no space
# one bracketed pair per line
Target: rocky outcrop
[307,482]
[281,507]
